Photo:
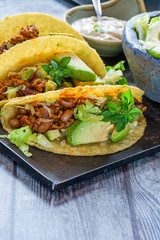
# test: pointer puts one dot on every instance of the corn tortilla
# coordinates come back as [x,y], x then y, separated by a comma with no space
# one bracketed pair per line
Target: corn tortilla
[38,50]
[101,148]
[10,26]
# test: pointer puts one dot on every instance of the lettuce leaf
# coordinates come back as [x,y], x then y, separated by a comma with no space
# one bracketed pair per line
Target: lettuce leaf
[153,20]
[20,138]
[26,74]
[40,139]
[88,112]
[115,74]
[141,25]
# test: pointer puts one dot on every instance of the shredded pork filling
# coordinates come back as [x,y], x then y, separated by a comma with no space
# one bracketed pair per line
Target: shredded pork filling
[30,32]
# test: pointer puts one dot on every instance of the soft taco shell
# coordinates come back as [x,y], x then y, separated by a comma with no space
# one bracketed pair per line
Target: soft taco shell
[101,148]
[10,26]
[38,50]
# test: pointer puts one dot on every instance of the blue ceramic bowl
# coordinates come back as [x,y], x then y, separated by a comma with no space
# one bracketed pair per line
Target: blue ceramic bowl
[144,67]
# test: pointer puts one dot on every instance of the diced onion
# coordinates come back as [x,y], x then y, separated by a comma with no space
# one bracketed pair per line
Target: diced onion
[47,120]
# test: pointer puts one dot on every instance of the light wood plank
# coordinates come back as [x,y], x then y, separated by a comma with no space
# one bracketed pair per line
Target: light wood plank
[6,197]
[94,209]
[143,184]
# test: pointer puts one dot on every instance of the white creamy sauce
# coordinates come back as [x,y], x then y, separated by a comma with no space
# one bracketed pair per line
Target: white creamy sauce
[105,28]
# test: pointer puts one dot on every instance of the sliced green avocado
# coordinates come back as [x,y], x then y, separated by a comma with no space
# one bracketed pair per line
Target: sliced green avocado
[50,86]
[80,70]
[117,136]
[52,135]
[87,132]
[97,82]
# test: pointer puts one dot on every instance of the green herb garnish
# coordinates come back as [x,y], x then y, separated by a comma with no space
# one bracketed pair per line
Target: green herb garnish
[121,111]
[97,29]
[123,81]
[118,66]
[58,70]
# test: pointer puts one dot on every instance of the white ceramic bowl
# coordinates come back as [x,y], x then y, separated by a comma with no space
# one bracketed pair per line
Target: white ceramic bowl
[112,8]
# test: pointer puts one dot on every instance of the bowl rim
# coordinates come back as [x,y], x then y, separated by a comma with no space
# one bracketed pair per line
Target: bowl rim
[89,7]
[110,3]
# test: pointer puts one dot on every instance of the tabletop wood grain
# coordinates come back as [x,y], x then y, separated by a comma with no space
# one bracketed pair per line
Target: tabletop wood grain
[123,204]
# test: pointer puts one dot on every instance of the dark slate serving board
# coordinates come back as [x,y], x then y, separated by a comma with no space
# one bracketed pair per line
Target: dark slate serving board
[57,171]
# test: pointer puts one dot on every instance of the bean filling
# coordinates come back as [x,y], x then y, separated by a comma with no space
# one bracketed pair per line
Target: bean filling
[43,117]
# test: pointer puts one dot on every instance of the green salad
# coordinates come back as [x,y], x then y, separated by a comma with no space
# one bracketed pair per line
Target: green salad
[148,32]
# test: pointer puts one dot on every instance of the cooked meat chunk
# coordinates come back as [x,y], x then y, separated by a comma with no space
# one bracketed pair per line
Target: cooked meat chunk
[30,32]
[16,39]
[41,112]
[38,84]
[3,48]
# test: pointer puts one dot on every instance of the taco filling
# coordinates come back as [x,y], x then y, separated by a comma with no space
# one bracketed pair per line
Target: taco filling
[60,72]
[64,70]
[28,33]
[75,121]
[26,26]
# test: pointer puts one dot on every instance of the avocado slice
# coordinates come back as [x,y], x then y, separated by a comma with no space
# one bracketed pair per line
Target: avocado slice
[98,81]
[52,135]
[117,136]
[88,132]
[80,70]
[50,86]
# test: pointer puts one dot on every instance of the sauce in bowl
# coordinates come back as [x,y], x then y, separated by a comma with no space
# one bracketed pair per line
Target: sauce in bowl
[105,28]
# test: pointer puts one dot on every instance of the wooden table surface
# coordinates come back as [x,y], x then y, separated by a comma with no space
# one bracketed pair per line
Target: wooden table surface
[123,204]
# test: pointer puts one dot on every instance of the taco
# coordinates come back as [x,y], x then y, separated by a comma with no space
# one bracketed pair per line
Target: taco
[83,121]
[26,26]
[45,64]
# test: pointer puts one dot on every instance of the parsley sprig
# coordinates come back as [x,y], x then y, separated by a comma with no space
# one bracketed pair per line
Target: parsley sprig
[58,70]
[121,111]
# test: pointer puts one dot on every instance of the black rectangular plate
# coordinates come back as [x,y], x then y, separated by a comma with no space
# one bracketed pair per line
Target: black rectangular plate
[57,171]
